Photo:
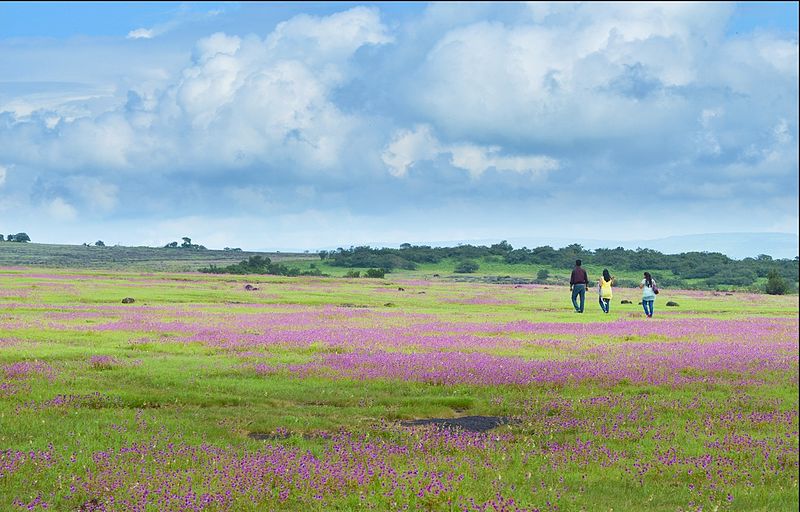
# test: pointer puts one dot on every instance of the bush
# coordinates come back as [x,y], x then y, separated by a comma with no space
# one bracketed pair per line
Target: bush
[466,267]
[353,273]
[775,284]
[19,237]
[542,275]
[377,273]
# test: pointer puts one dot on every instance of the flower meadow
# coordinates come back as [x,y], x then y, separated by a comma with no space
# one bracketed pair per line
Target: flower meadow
[357,394]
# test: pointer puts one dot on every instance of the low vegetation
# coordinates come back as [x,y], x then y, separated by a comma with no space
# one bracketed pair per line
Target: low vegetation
[239,393]
[697,270]
[260,265]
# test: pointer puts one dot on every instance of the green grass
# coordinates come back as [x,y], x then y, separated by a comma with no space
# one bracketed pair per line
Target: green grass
[193,393]
[152,259]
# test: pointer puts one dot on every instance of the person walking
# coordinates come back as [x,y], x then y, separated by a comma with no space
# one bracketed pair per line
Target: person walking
[649,291]
[604,291]
[578,282]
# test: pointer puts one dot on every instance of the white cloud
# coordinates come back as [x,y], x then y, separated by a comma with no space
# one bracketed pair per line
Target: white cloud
[141,33]
[594,71]
[184,16]
[241,102]
[478,159]
[327,112]
[707,142]
[409,147]
[329,39]
[3,171]
[60,210]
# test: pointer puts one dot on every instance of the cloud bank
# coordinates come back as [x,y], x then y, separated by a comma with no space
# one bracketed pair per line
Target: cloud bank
[470,119]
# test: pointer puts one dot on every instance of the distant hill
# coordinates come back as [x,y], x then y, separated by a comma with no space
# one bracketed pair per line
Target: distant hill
[127,258]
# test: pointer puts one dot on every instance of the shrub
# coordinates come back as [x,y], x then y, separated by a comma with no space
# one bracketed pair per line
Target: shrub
[466,267]
[378,273]
[353,273]
[775,284]
[542,275]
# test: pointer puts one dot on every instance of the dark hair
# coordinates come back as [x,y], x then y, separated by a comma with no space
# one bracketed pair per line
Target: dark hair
[648,279]
[577,263]
[606,275]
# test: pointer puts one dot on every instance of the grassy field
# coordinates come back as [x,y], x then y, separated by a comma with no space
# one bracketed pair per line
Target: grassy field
[153,259]
[203,395]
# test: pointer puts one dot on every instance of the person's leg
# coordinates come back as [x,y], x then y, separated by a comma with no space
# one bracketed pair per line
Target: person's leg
[644,306]
[575,296]
[608,304]
[652,305]
[582,293]
[602,306]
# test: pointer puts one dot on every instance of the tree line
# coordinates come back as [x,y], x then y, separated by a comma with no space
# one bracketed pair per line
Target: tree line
[19,237]
[260,265]
[705,269]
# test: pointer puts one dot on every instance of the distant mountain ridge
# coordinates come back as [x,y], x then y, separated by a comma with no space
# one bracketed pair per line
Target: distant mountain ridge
[734,245]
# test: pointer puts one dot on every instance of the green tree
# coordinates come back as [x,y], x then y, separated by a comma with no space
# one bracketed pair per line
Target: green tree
[21,237]
[542,275]
[99,243]
[775,284]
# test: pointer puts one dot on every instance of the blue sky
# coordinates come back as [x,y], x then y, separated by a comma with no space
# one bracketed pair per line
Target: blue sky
[305,125]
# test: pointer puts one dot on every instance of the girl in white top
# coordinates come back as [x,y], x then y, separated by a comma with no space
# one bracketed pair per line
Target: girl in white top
[648,294]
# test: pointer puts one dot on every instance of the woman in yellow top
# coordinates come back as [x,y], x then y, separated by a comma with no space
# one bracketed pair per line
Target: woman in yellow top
[605,294]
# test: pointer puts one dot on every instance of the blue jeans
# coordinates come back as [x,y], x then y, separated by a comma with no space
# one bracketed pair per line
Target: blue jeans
[648,307]
[605,304]
[578,290]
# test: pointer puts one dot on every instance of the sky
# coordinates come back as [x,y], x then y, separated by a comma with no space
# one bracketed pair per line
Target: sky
[309,125]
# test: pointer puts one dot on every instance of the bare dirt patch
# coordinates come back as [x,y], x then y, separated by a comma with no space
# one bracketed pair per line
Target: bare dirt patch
[468,423]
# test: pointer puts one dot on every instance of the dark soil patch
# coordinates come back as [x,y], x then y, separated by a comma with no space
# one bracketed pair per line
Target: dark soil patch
[468,423]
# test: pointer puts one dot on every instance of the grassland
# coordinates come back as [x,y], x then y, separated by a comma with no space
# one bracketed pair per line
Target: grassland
[202,395]
[144,259]
[153,259]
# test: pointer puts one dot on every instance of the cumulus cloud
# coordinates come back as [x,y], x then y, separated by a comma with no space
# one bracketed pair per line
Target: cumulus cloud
[580,71]
[409,147]
[482,103]
[241,102]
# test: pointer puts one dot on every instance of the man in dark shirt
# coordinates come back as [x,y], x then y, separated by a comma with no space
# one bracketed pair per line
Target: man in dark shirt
[578,282]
